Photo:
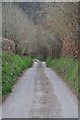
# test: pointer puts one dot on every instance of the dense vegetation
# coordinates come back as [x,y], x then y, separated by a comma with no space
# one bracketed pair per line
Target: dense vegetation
[47,29]
[12,66]
[42,30]
[66,67]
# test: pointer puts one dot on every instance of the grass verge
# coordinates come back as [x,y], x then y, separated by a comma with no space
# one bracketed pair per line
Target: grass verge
[12,66]
[67,68]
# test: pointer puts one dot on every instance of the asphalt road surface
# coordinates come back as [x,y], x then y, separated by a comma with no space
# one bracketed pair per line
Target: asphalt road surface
[40,93]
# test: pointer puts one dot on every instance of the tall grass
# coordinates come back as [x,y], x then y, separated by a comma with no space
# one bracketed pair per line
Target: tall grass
[12,65]
[66,67]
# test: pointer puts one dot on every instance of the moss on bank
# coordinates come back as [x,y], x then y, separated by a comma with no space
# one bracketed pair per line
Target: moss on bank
[67,68]
[12,66]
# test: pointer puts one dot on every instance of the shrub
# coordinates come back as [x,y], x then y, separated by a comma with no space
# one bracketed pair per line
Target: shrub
[48,61]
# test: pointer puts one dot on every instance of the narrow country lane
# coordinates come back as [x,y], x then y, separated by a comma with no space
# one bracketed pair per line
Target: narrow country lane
[40,93]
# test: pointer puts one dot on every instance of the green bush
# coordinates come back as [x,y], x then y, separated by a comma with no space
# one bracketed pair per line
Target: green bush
[12,65]
[48,61]
[68,68]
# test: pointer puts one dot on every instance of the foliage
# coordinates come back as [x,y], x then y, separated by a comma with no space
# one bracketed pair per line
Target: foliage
[44,29]
[68,68]
[48,61]
[17,27]
[12,65]
[61,19]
